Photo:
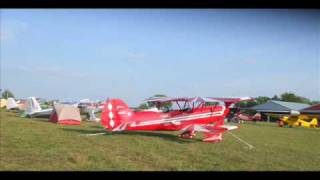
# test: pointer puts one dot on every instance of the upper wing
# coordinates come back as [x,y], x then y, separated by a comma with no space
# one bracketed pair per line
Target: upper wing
[226,100]
[229,101]
[165,99]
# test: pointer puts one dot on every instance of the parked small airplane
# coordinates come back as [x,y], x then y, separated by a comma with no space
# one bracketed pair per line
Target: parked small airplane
[240,117]
[11,104]
[34,109]
[299,120]
[307,117]
[189,115]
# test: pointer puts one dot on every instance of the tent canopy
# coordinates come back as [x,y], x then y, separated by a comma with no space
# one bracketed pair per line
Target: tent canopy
[65,114]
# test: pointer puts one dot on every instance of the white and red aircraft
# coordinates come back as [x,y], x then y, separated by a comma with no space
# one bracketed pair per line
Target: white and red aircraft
[241,116]
[191,115]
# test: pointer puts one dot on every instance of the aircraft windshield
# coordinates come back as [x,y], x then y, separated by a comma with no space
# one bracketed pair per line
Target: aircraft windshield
[180,105]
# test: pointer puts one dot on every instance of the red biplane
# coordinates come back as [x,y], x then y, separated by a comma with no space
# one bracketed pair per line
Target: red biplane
[240,117]
[189,115]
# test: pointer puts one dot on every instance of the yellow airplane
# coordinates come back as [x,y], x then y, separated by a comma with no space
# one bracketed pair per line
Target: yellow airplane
[300,120]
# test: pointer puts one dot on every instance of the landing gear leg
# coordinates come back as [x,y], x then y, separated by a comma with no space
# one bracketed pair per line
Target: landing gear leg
[188,135]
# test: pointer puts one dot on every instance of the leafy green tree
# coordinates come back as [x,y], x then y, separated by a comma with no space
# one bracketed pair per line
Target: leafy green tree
[151,104]
[291,97]
[7,93]
[276,98]
[246,104]
[314,102]
[143,106]
[305,100]
[167,104]
[257,101]
[159,95]
[251,103]
[262,99]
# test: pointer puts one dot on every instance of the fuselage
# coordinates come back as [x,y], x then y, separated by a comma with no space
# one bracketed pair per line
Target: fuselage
[176,119]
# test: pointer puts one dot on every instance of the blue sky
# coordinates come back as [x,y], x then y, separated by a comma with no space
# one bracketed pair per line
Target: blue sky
[135,53]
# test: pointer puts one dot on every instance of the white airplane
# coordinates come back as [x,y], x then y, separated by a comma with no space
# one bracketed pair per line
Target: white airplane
[34,109]
[12,104]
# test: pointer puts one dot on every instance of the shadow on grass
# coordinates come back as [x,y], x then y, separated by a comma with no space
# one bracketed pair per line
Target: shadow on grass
[38,119]
[13,115]
[170,137]
[85,131]
[96,126]
[41,118]
[263,124]
[165,136]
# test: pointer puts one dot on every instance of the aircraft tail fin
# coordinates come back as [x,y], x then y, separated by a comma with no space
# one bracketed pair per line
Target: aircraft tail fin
[11,103]
[314,122]
[115,115]
[33,105]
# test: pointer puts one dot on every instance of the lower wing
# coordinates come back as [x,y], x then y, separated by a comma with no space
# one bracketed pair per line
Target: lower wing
[212,133]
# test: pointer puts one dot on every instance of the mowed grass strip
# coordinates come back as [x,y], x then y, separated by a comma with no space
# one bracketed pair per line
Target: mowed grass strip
[36,144]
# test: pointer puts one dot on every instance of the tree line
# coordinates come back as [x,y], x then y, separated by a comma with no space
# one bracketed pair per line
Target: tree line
[287,97]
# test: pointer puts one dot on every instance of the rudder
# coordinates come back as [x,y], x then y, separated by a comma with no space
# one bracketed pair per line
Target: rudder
[114,114]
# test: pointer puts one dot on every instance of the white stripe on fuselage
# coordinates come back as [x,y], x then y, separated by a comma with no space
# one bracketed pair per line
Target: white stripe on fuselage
[178,119]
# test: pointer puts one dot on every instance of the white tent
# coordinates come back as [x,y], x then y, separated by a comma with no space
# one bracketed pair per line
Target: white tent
[11,104]
[65,114]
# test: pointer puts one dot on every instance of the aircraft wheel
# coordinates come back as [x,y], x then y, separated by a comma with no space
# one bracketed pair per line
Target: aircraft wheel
[186,136]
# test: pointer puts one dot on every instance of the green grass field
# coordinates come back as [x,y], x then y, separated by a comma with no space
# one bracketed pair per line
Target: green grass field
[36,144]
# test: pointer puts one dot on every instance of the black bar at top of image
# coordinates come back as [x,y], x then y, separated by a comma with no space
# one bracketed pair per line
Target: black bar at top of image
[160,4]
